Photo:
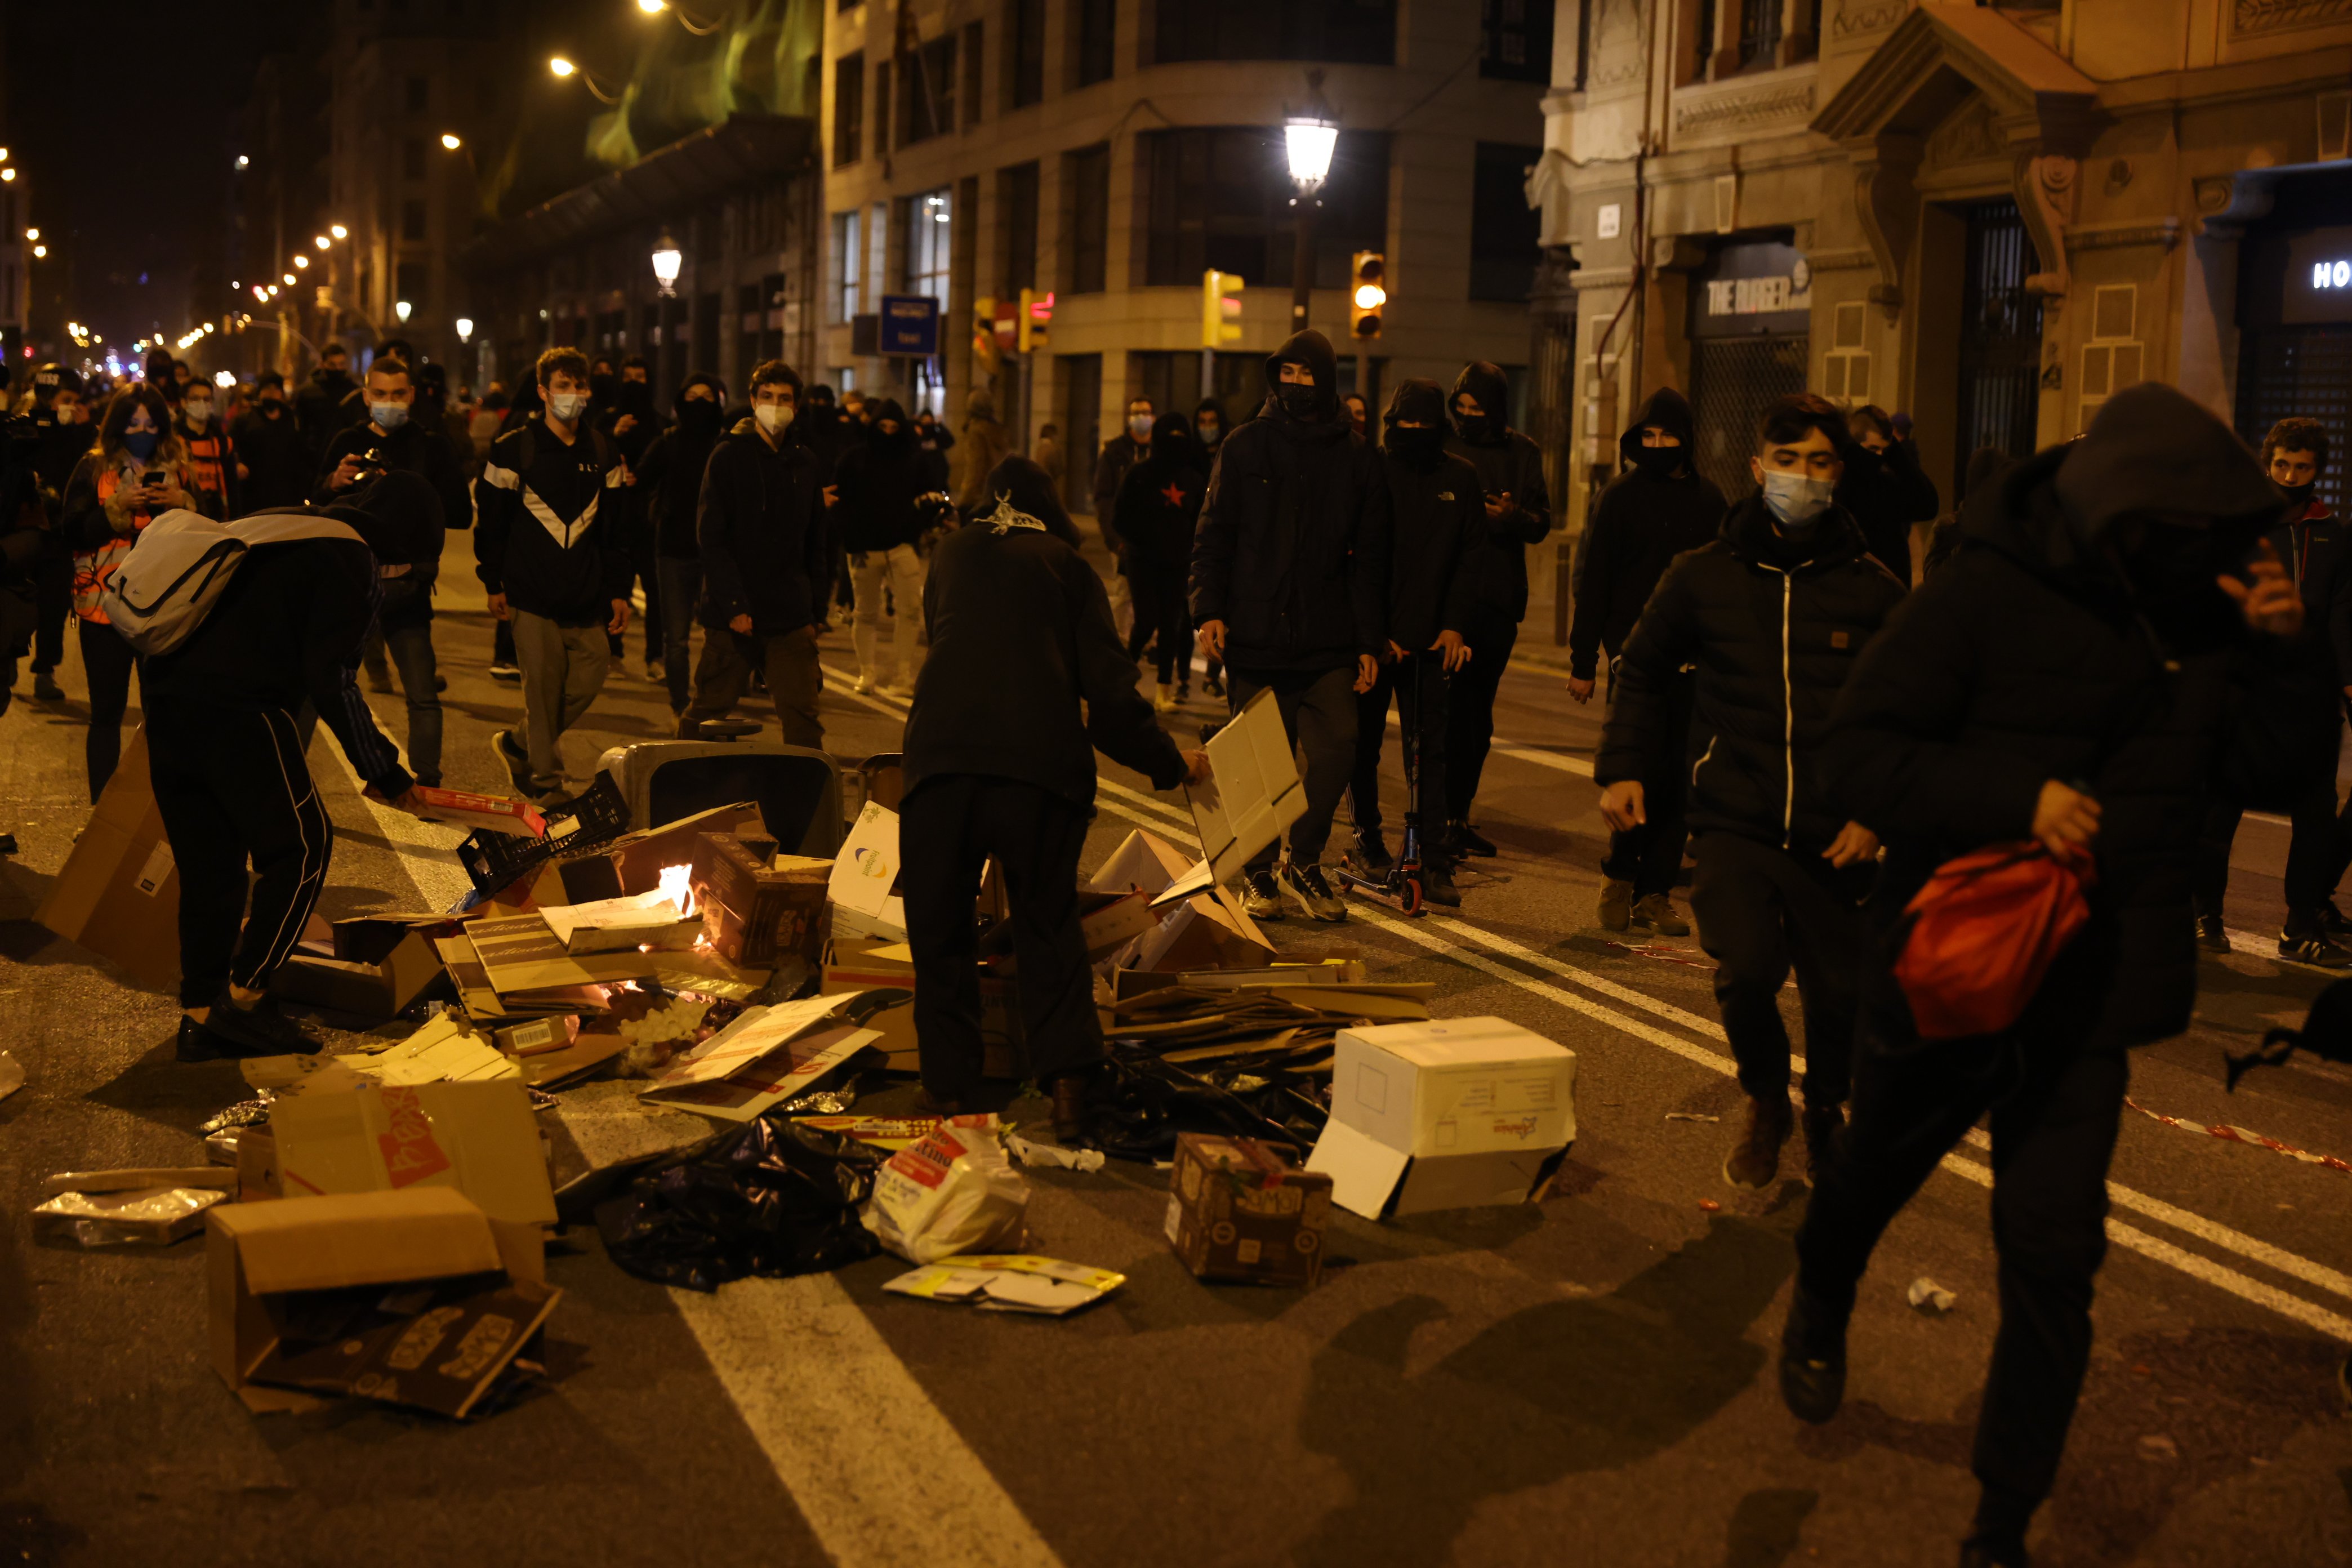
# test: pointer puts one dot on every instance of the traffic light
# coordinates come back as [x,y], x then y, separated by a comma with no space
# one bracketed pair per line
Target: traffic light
[1221,309]
[1037,315]
[984,351]
[1368,292]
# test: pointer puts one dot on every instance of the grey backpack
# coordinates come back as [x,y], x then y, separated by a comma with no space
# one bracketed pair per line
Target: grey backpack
[183,561]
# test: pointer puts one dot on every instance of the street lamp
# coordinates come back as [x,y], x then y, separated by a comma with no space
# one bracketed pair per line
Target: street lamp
[400,308]
[451,141]
[321,241]
[465,329]
[1308,137]
[656,7]
[667,259]
[338,230]
[40,252]
[565,67]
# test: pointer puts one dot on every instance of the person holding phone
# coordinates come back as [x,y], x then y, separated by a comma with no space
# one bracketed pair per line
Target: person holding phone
[136,471]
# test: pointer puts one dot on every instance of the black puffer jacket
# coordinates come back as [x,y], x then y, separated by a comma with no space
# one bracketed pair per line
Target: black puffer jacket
[1887,492]
[1773,627]
[672,471]
[2029,658]
[1508,463]
[761,524]
[1292,550]
[1642,522]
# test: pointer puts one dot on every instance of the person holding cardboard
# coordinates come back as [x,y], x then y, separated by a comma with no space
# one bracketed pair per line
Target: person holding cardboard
[1000,765]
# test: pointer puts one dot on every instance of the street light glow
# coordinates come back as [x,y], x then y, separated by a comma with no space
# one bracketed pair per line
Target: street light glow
[290,282]
[450,140]
[667,258]
[1309,143]
[243,161]
[652,7]
[32,233]
[8,174]
[224,379]
[301,261]
[339,231]
[321,241]
[560,66]
[400,308]
[40,252]
[1370,297]
[465,329]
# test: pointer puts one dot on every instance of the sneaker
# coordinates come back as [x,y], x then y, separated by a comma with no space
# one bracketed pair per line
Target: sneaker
[865,686]
[46,687]
[1164,700]
[1824,1132]
[1813,1357]
[1183,692]
[509,672]
[2211,934]
[1617,904]
[1213,685]
[1307,885]
[198,1044]
[380,681]
[255,1031]
[1261,896]
[1755,1159]
[440,684]
[1371,852]
[654,675]
[1463,839]
[513,758]
[2304,942]
[1657,911]
[2332,921]
[1438,883]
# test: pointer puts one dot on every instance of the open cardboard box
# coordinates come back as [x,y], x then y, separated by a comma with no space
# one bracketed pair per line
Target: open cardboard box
[378,965]
[119,892]
[634,862]
[339,1134]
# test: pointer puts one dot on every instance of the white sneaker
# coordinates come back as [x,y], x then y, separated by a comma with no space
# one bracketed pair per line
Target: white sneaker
[865,686]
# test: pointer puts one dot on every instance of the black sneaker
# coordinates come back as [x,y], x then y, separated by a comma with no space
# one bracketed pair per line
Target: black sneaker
[256,1031]
[1212,685]
[1461,838]
[2211,935]
[2332,920]
[2305,943]
[1813,1357]
[513,758]
[198,1044]
[1373,852]
[1438,883]
[1307,885]
[46,687]
[1261,896]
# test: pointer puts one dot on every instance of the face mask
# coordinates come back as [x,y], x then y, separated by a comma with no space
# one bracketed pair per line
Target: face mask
[199,414]
[601,385]
[141,444]
[271,409]
[1140,427]
[1419,446]
[388,416]
[2298,496]
[773,416]
[1472,427]
[1796,500]
[1658,462]
[566,406]
[1298,401]
[2172,573]
[698,414]
[1212,433]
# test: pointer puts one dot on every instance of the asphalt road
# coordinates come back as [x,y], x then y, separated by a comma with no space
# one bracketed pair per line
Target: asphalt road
[1583,1381]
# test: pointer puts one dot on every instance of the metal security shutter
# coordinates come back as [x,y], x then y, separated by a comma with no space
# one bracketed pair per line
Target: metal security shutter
[1734,380]
[2000,338]
[2299,371]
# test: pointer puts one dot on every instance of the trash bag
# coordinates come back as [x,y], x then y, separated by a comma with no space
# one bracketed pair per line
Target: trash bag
[2326,1033]
[1146,1102]
[772,1197]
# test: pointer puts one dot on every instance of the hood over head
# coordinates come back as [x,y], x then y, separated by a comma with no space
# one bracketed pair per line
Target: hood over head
[701,378]
[1419,399]
[1021,489]
[1667,409]
[980,405]
[1492,389]
[889,408]
[1313,349]
[2152,450]
[1986,467]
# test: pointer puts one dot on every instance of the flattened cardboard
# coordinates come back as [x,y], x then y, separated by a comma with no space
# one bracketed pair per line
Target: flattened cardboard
[1207,930]
[522,954]
[624,924]
[119,892]
[755,1033]
[867,868]
[1254,794]
[382,989]
[480,1138]
[770,1080]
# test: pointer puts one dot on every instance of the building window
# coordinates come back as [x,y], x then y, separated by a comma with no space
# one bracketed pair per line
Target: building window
[1759,33]
[420,94]
[972,55]
[1087,173]
[412,220]
[1027,19]
[926,98]
[930,235]
[1097,30]
[882,108]
[848,108]
[841,300]
[1017,201]
[1220,196]
[1506,233]
[411,158]
[1515,40]
[1355,32]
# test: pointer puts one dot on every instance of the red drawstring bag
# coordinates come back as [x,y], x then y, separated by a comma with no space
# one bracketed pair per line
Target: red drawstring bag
[1983,932]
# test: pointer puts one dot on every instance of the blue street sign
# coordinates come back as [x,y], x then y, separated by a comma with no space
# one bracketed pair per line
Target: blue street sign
[910,325]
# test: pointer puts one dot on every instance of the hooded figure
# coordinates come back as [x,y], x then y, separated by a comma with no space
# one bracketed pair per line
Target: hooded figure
[1209,424]
[2080,637]
[1886,490]
[1290,582]
[671,478]
[1159,502]
[883,482]
[983,447]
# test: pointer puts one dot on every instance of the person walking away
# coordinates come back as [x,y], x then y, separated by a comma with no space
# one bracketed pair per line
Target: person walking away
[982,447]
[1885,488]
[542,555]
[323,406]
[885,482]
[2110,645]
[1047,453]
[1118,454]
[1026,681]
[1518,513]
[1657,507]
[672,477]
[61,429]
[277,464]
[1159,504]
[137,471]
[2317,554]
[1290,583]
[632,423]
[224,750]
[765,567]
[935,441]
[1437,518]
[1772,614]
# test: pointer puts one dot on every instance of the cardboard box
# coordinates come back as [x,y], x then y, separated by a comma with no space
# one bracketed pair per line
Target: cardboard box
[860,964]
[758,907]
[1241,1209]
[382,965]
[634,862]
[119,892]
[478,1137]
[1209,930]
[630,924]
[521,954]
[263,1262]
[539,1036]
[1455,1113]
[492,813]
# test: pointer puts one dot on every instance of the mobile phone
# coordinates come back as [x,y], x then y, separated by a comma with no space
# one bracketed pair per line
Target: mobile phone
[151,477]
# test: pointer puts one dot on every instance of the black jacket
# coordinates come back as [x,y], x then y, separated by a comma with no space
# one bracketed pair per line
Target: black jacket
[1021,635]
[1508,463]
[2031,657]
[1292,549]
[672,476]
[277,471]
[1437,521]
[415,448]
[880,479]
[539,536]
[1641,523]
[2318,551]
[1117,455]
[1887,492]
[1160,500]
[762,530]
[1774,628]
[322,406]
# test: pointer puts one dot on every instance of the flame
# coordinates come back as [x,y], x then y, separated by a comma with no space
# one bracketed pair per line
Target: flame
[677,886]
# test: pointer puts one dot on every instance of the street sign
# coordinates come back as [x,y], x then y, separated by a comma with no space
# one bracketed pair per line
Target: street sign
[910,325]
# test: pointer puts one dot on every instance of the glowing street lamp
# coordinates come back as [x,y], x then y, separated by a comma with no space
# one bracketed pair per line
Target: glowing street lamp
[321,241]
[465,329]
[1308,137]
[564,67]
[400,308]
[667,259]
[452,141]
[339,231]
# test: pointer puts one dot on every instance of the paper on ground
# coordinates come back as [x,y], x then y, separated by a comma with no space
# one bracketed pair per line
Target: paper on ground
[1253,795]
[12,1074]
[1010,1282]
[768,1079]
[617,925]
[1363,1170]
[867,866]
[754,1033]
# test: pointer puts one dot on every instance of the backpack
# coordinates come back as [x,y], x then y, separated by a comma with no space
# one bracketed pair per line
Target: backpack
[182,562]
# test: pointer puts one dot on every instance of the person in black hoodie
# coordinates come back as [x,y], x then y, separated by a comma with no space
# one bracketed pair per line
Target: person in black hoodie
[1437,519]
[2078,675]
[1773,614]
[326,405]
[1518,513]
[765,566]
[1884,487]
[1159,504]
[1657,507]
[1026,681]
[885,484]
[1290,582]
[270,448]
[633,424]
[672,476]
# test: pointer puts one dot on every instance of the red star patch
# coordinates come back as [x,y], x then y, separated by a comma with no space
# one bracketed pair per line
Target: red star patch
[1174,492]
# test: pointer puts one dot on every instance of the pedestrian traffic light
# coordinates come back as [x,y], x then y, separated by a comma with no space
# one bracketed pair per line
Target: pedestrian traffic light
[984,351]
[1368,292]
[1221,309]
[1037,315]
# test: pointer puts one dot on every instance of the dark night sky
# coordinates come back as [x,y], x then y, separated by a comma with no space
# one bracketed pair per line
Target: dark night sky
[123,114]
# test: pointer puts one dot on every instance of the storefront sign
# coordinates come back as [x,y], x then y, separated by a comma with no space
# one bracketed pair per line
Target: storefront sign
[1754,290]
[2318,283]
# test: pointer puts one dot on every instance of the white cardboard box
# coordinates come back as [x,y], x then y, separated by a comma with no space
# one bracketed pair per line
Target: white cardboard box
[1452,1113]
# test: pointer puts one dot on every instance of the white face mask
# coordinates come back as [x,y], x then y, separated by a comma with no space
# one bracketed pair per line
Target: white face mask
[1140,427]
[566,406]
[1795,499]
[198,414]
[388,416]
[774,418]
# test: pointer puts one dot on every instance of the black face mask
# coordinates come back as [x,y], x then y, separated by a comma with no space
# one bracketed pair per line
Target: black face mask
[2298,496]
[2172,572]
[601,388]
[1417,446]
[1477,427]
[1298,401]
[271,409]
[1658,462]
[1860,459]
[698,415]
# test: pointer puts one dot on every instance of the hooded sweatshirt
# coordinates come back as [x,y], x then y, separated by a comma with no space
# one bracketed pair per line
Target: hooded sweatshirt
[760,521]
[2067,640]
[1508,463]
[880,479]
[1437,518]
[1160,499]
[1887,492]
[672,471]
[1653,511]
[1292,549]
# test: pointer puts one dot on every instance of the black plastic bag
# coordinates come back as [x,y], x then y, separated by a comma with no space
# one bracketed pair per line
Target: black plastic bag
[771,1198]
[1144,1102]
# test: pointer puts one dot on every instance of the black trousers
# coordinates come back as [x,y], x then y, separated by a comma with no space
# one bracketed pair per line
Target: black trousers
[53,594]
[1420,686]
[108,664]
[947,829]
[2055,1103]
[1471,719]
[1319,713]
[232,786]
[1159,593]
[1763,911]
[1651,856]
[2317,852]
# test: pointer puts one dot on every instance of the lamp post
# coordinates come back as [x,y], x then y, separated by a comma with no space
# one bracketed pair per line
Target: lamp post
[667,259]
[560,66]
[1308,137]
